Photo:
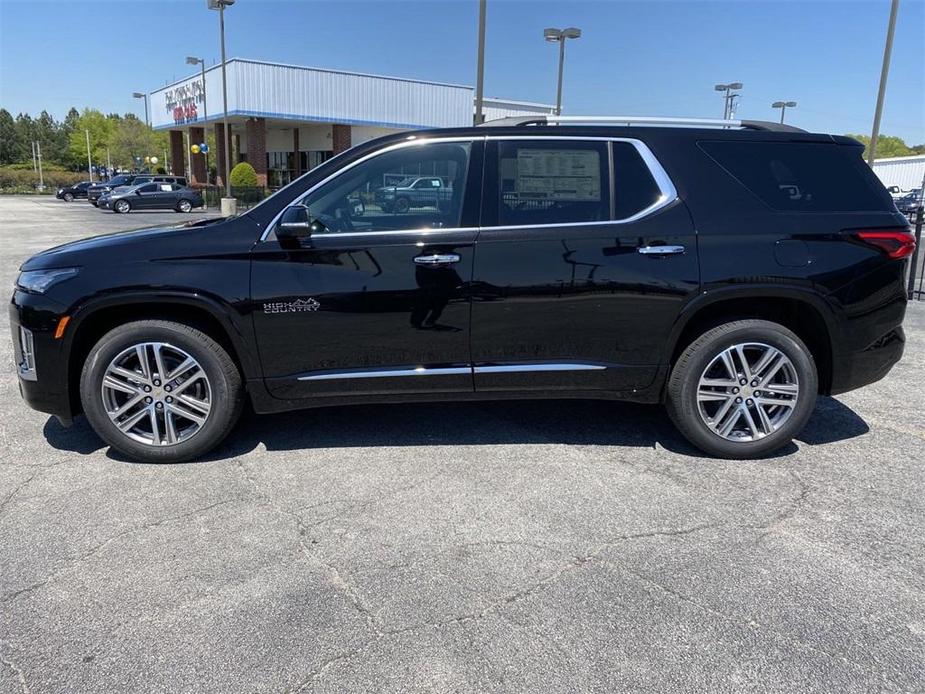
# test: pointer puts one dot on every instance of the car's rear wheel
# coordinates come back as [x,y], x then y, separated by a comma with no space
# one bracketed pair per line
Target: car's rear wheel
[121,206]
[184,206]
[401,205]
[743,389]
[160,392]
[68,197]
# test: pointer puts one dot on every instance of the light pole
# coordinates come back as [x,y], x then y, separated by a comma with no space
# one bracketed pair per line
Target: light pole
[89,158]
[192,60]
[220,5]
[729,97]
[141,95]
[480,70]
[553,35]
[783,106]
[884,72]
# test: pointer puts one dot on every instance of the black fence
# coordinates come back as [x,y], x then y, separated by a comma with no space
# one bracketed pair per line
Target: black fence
[917,273]
[247,196]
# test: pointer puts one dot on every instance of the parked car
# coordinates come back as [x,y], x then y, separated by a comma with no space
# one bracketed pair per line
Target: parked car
[731,271]
[910,202]
[70,193]
[413,192]
[125,180]
[151,196]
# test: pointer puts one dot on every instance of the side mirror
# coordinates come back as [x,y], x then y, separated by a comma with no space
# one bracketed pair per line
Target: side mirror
[138,192]
[294,225]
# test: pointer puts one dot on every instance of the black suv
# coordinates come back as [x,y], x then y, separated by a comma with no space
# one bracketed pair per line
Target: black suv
[96,190]
[731,270]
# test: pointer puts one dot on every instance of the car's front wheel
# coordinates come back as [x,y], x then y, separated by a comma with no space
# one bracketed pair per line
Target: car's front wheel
[184,206]
[121,206]
[401,206]
[743,389]
[68,197]
[160,392]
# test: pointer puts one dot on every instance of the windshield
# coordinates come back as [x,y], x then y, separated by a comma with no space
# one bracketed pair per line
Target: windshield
[118,181]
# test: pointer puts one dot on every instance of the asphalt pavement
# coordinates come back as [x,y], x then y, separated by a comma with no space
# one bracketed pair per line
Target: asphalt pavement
[482,547]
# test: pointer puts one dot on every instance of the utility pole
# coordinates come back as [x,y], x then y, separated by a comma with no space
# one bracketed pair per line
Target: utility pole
[884,73]
[35,168]
[89,159]
[38,148]
[480,72]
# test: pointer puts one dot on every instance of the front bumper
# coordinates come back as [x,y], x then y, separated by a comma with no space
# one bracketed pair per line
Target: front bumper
[41,363]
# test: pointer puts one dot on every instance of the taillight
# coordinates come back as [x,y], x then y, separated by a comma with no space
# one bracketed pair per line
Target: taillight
[896,243]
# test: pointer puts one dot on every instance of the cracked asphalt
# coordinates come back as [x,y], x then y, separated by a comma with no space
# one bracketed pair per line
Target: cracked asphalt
[486,547]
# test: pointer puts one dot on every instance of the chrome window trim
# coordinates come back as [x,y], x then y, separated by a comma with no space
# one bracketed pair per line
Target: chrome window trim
[664,183]
[452,370]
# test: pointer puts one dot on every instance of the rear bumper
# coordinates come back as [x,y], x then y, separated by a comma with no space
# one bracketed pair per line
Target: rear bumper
[857,369]
[44,386]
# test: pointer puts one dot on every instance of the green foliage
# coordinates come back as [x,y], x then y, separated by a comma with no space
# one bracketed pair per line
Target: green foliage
[20,178]
[243,175]
[9,148]
[100,131]
[887,146]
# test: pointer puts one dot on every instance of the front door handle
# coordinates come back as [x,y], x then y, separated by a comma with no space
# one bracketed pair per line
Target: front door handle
[437,259]
[660,250]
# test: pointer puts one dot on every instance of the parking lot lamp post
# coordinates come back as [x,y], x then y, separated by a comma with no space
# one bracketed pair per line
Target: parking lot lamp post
[729,97]
[141,95]
[192,60]
[89,158]
[220,5]
[561,35]
[480,69]
[884,73]
[783,106]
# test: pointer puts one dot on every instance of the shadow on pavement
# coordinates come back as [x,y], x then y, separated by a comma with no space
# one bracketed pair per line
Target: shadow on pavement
[573,422]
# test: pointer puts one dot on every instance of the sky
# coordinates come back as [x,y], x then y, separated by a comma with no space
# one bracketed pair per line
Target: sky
[653,57]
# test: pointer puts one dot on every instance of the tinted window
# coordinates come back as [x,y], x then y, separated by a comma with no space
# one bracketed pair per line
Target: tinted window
[150,188]
[369,196]
[120,180]
[549,182]
[634,187]
[802,176]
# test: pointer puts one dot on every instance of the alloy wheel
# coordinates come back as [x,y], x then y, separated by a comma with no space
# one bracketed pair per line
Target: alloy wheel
[747,392]
[185,206]
[156,394]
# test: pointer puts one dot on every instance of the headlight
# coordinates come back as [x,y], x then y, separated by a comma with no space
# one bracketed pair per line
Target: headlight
[40,281]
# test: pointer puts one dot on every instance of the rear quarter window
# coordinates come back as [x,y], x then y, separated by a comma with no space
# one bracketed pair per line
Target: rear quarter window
[802,176]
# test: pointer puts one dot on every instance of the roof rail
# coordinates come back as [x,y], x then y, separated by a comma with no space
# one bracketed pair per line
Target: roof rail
[640,120]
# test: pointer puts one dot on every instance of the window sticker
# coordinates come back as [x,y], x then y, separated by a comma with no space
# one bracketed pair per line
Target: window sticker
[558,174]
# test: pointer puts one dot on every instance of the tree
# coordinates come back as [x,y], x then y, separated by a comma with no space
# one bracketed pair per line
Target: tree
[887,146]
[66,128]
[46,133]
[130,139]
[25,134]
[100,129]
[8,138]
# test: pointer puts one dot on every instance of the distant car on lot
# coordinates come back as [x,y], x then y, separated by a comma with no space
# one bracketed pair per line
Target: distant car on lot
[415,191]
[151,196]
[909,202]
[78,190]
[98,189]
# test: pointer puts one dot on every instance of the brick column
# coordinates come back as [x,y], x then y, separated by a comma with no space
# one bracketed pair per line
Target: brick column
[220,153]
[196,137]
[256,132]
[341,136]
[177,158]
[295,149]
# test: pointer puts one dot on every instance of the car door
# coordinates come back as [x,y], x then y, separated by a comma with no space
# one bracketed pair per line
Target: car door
[373,301]
[584,259]
[145,196]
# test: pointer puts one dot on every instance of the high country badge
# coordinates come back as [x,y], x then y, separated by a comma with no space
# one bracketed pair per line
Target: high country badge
[297,306]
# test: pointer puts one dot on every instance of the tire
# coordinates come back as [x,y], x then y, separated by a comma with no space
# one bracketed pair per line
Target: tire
[697,409]
[213,380]
[401,205]
[94,203]
[121,206]
[68,197]
[184,206]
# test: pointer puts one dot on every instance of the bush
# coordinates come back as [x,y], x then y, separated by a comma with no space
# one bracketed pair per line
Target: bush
[18,178]
[243,176]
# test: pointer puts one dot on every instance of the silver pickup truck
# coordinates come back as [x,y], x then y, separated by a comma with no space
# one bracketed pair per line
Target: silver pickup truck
[414,191]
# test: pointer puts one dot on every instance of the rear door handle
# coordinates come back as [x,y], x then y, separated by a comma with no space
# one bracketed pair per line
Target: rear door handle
[437,259]
[660,250]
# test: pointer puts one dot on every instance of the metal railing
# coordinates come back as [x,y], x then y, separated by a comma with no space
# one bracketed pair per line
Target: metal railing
[917,271]
[247,196]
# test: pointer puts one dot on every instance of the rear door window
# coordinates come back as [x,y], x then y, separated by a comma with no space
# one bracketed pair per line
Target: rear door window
[553,182]
[802,176]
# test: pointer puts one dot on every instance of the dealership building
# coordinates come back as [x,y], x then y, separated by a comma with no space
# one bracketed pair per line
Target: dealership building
[287,119]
